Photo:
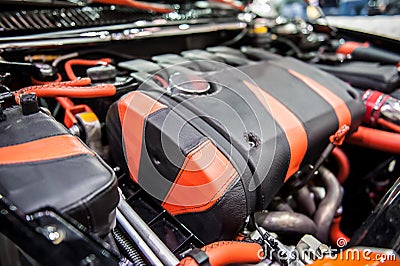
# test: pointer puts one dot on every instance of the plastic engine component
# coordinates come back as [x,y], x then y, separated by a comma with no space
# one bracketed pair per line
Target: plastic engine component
[42,165]
[214,157]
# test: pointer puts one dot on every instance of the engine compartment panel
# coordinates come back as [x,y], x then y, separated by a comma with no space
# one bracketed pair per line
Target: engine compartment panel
[177,133]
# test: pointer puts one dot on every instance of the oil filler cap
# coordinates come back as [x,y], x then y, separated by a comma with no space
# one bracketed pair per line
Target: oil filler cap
[102,73]
[189,83]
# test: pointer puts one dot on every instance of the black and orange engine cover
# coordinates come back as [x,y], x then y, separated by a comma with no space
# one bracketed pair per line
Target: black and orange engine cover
[213,156]
[43,165]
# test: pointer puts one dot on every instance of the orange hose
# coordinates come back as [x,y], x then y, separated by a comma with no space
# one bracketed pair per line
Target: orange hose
[76,82]
[72,89]
[229,252]
[231,3]
[389,125]
[83,62]
[376,139]
[65,102]
[343,162]
[79,82]
[103,90]
[335,234]
[160,8]
[162,81]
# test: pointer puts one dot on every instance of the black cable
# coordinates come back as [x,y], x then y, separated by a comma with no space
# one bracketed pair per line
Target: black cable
[237,38]
[292,45]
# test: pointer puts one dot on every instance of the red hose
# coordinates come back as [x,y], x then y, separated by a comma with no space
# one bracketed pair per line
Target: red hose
[73,83]
[348,47]
[162,81]
[75,89]
[231,3]
[229,252]
[368,138]
[103,90]
[160,8]
[376,139]
[344,164]
[388,125]
[82,62]
[65,102]
[335,234]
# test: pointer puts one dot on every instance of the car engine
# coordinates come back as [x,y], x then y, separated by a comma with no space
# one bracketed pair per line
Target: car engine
[195,133]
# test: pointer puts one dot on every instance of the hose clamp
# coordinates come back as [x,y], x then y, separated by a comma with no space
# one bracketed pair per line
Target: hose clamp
[199,256]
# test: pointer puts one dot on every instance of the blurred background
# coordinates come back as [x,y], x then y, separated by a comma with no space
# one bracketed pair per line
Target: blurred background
[381,17]
[297,8]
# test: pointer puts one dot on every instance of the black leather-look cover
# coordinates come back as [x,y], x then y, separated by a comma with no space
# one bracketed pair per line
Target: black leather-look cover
[82,185]
[165,130]
[365,75]
[232,116]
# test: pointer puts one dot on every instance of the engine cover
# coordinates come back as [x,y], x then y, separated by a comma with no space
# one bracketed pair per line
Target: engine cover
[213,143]
[42,165]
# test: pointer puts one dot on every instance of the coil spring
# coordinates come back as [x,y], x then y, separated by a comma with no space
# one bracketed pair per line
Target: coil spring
[127,248]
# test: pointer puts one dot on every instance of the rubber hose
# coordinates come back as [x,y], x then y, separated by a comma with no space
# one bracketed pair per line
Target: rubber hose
[335,233]
[376,139]
[343,164]
[229,252]
[327,208]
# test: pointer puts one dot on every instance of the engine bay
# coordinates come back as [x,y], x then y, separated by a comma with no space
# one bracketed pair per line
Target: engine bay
[195,133]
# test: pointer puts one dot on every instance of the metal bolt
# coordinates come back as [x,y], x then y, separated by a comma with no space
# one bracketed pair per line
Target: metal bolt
[54,235]
[89,260]
[75,130]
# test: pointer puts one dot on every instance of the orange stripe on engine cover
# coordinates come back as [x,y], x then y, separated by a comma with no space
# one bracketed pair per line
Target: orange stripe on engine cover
[133,111]
[50,148]
[339,106]
[294,130]
[203,179]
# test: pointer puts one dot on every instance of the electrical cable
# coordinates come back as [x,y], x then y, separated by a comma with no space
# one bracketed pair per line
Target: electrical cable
[64,57]
[237,38]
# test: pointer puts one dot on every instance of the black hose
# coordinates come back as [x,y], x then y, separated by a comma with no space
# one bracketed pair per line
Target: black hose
[305,203]
[286,222]
[327,208]
[237,38]
[296,49]
[127,249]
